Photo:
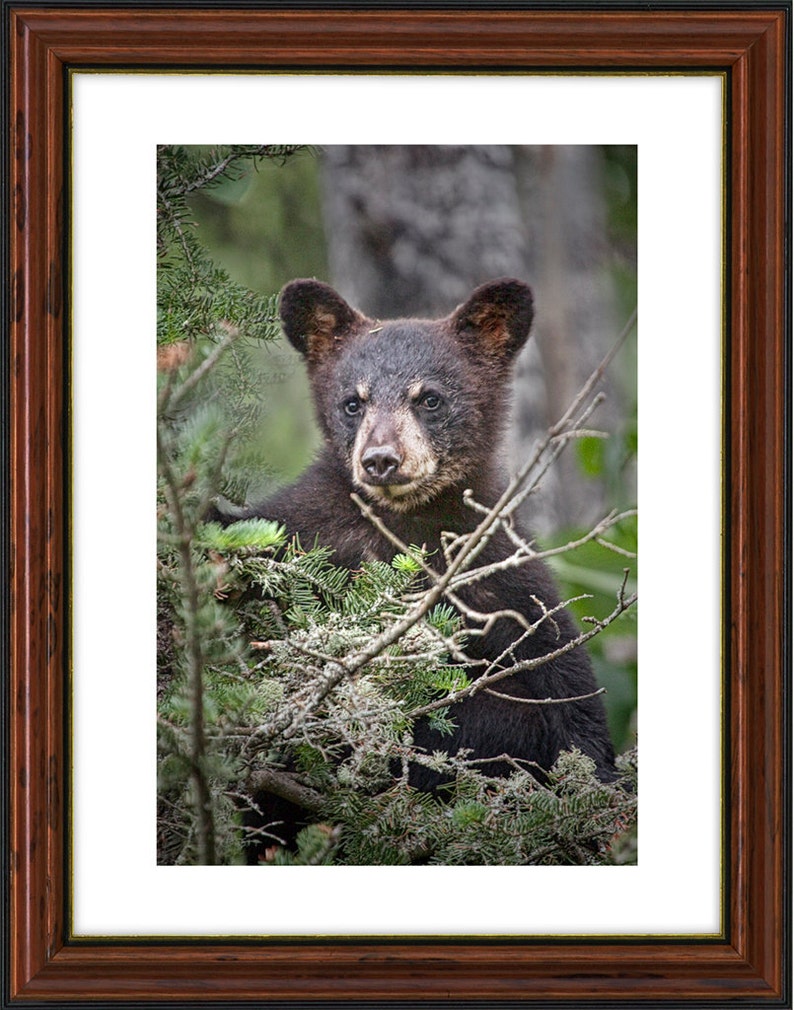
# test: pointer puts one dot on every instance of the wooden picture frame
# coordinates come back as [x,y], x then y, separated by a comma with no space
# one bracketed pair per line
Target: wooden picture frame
[750,964]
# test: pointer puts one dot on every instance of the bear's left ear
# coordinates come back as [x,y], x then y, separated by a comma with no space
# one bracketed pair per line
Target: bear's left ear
[496,317]
[315,318]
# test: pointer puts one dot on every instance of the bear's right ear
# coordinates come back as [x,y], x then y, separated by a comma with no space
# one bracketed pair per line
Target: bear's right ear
[315,318]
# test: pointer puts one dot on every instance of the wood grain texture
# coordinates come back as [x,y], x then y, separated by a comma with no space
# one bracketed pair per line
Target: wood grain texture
[748,964]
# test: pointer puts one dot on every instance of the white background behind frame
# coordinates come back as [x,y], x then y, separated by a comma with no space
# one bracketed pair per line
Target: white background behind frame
[677,123]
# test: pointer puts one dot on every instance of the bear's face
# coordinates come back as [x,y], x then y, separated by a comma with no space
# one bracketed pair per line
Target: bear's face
[399,406]
[412,406]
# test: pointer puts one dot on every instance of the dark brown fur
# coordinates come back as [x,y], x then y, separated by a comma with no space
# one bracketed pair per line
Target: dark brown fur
[463,362]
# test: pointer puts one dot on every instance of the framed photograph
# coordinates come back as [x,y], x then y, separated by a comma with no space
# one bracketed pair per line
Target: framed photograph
[110,111]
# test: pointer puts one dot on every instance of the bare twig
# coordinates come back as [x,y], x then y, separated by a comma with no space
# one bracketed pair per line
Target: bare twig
[545,701]
[487,679]
[614,547]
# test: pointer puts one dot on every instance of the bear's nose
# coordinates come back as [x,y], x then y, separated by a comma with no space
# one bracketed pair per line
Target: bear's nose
[381,461]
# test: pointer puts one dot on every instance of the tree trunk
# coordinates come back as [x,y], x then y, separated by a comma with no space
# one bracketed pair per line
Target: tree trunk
[570,261]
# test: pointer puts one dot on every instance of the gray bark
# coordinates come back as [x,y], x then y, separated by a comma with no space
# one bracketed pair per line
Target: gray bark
[569,263]
[413,229]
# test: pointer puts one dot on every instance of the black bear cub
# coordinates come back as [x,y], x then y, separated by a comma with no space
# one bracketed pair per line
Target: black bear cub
[412,412]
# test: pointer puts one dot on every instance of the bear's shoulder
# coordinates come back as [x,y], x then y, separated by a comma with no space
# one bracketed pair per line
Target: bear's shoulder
[318,508]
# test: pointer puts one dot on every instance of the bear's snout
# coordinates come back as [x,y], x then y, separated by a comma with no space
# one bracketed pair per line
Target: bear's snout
[392,458]
[382,456]
[381,462]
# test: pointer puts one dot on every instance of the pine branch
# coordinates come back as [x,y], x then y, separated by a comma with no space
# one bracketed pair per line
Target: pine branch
[171,398]
[195,662]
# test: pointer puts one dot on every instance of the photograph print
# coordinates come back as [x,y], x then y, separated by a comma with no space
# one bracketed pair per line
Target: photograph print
[396,501]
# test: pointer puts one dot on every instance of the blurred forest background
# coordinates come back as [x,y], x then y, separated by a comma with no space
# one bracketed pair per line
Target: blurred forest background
[410,230]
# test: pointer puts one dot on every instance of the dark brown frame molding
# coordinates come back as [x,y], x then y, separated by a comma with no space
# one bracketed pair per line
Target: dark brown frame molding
[750,964]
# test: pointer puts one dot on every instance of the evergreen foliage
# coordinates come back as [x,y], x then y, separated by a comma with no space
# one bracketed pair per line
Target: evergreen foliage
[276,667]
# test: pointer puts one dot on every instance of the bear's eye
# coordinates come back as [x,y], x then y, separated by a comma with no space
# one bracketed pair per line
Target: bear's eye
[431,401]
[352,406]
